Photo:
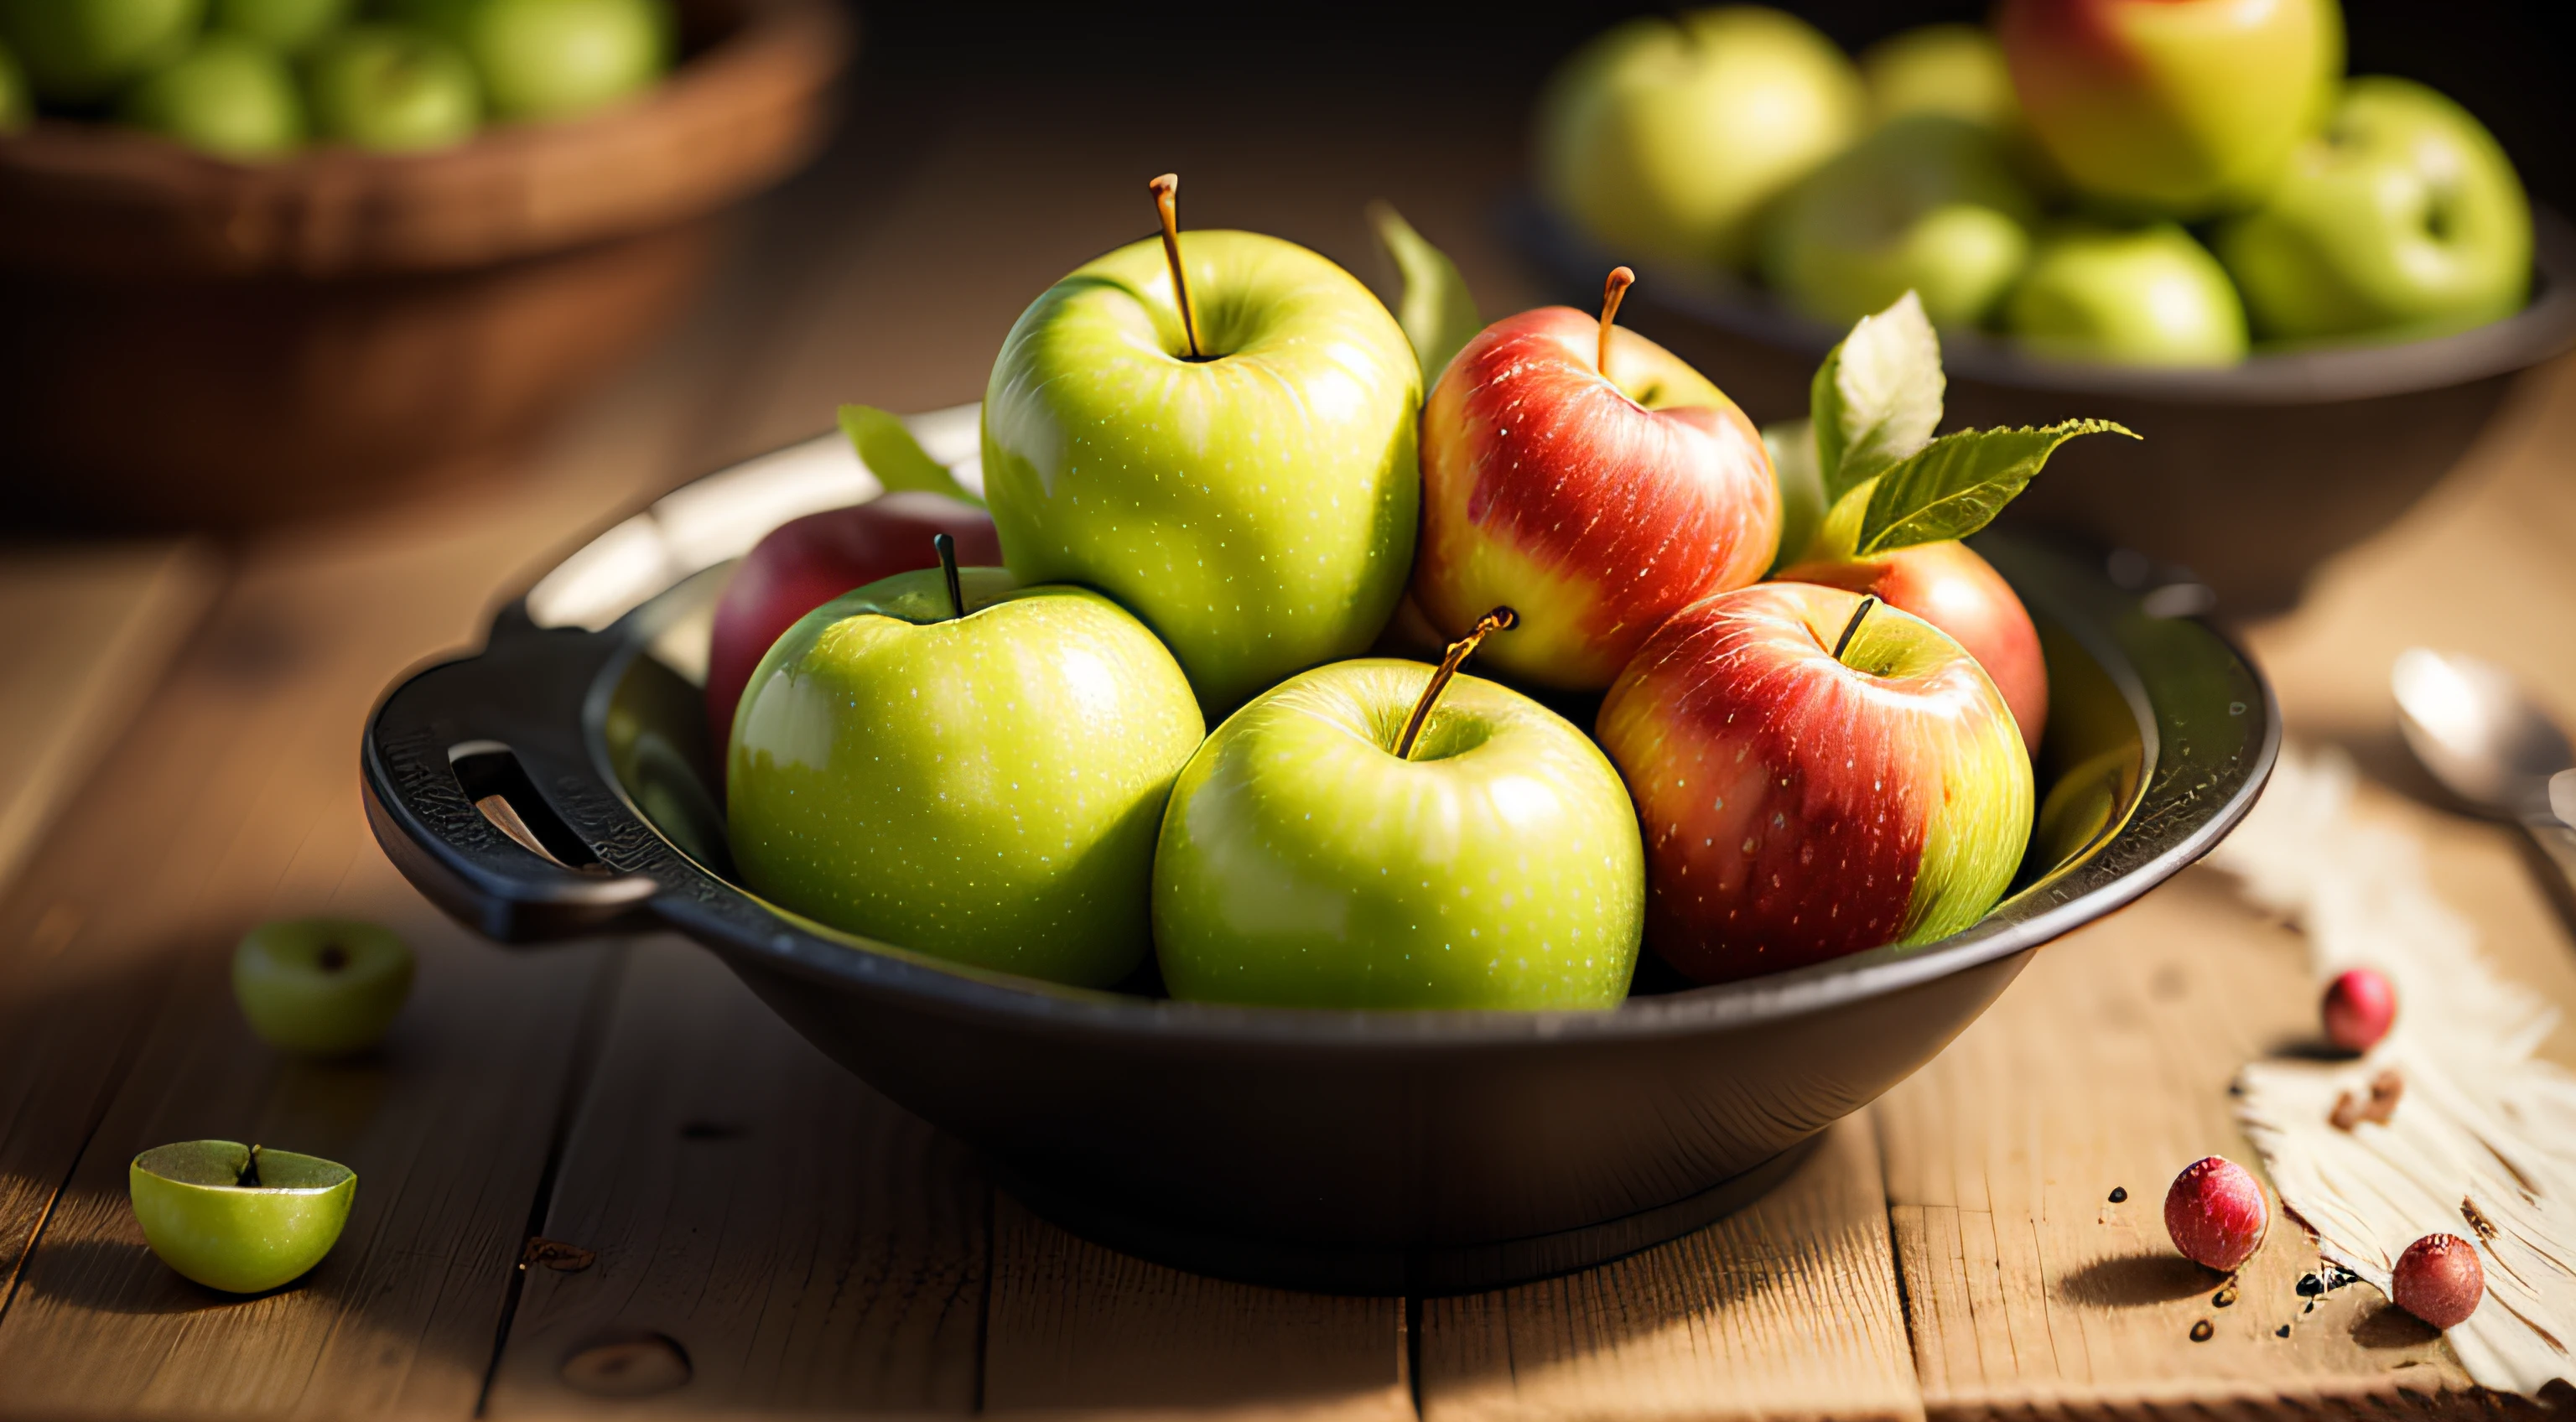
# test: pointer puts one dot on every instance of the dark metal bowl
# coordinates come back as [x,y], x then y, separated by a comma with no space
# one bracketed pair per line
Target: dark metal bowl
[556,785]
[2249,476]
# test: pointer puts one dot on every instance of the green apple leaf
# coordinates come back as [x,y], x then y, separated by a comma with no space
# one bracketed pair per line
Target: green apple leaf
[1958,483]
[1437,311]
[1877,397]
[1792,446]
[895,457]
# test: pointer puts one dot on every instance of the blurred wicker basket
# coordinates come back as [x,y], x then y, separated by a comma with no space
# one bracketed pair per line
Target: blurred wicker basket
[200,342]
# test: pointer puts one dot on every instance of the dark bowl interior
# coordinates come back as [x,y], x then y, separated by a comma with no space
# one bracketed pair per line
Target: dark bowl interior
[2249,476]
[557,784]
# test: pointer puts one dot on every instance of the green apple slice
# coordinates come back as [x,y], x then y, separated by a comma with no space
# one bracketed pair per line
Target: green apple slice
[242,1219]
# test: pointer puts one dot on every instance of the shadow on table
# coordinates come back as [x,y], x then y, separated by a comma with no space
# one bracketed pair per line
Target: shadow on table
[2137,1280]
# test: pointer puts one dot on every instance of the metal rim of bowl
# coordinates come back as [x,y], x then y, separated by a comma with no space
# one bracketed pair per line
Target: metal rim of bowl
[2322,374]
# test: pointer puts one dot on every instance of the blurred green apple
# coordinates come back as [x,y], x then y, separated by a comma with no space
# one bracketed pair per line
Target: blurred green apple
[1664,138]
[1948,68]
[983,788]
[1304,863]
[243,1219]
[1928,203]
[2176,108]
[322,987]
[17,107]
[1256,507]
[2404,218]
[2145,295]
[84,51]
[227,95]
[553,59]
[391,87]
[287,26]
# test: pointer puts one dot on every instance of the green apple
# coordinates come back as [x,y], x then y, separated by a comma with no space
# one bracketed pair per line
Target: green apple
[1665,138]
[554,59]
[17,109]
[1304,863]
[2177,108]
[1949,68]
[983,788]
[84,51]
[243,1219]
[288,26]
[324,987]
[1257,507]
[392,87]
[2404,218]
[1928,203]
[227,95]
[2146,295]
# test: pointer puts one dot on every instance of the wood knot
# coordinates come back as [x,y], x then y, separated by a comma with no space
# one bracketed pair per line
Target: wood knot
[627,1365]
[556,1255]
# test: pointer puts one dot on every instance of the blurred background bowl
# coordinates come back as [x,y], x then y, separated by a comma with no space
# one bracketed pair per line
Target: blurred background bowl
[203,343]
[2248,476]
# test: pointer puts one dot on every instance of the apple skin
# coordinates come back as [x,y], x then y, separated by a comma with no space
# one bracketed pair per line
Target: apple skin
[1797,809]
[81,52]
[391,88]
[17,107]
[1949,68]
[806,562]
[2176,108]
[1256,509]
[241,1239]
[1302,864]
[1928,203]
[288,26]
[227,96]
[552,59]
[321,987]
[2146,295]
[984,789]
[1593,507]
[2404,219]
[1949,586]
[1665,138]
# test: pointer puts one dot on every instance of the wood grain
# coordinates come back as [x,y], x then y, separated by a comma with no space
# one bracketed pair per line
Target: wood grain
[1073,1328]
[806,1243]
[90,632]
[1788,1310]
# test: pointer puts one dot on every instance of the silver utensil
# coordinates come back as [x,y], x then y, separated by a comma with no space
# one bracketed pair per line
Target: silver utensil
[2489,743]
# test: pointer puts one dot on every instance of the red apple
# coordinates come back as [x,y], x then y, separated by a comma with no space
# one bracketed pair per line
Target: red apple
[1949,586]
[1798,806]
[1595,505]
[806,562]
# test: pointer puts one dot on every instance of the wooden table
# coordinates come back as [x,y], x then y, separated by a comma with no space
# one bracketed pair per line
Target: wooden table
[766,1236]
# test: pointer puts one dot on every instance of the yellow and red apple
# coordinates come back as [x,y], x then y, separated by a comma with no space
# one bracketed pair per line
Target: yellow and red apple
[1949,586]
[1813,783]
[1596,503]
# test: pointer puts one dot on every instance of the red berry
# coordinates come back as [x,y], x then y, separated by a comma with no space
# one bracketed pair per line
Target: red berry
[2439,1280]
[2359,1007]
[2216,1213]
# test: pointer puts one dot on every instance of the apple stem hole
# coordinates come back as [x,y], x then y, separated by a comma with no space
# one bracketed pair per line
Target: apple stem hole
[1614,288]
[1167,194]
[333,957]
[1501,619]
[1867,601]
[946,547]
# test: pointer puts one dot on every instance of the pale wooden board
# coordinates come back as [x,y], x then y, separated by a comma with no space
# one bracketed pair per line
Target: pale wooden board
[1075,1328]
[89,631]
[1787,1310]
[809,1245]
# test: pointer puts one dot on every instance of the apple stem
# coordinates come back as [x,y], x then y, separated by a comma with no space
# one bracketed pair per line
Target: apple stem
[1501,619]
[1167,191]
[1613,289]
[248,1179]
[947,547]
[1867,601]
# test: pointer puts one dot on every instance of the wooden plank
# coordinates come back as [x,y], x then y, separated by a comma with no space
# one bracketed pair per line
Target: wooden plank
[804,1243]
[90,631]
[1787,1310]
[1074,1328]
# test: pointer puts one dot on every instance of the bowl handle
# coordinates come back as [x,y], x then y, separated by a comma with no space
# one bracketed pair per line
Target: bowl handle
[475,800]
